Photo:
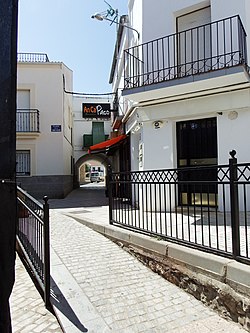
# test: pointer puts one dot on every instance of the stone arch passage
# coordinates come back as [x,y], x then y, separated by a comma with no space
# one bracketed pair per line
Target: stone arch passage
[104,159]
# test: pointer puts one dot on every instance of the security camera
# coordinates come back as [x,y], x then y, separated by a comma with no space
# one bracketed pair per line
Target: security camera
[157,124]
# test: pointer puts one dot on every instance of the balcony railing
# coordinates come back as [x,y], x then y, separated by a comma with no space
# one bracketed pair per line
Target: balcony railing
[206,48]
[32,57]
[27,120]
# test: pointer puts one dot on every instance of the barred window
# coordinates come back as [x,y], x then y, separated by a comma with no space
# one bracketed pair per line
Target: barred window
[23,163]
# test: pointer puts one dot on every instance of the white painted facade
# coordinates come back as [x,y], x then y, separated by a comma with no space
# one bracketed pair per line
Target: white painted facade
[84,127]
[226,97]
[40,87]
[152,113]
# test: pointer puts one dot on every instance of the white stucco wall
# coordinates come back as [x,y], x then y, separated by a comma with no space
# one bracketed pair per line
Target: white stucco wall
[160,144]
[158,19]
[51,151]
[205,98]
[134,151]
[154,20]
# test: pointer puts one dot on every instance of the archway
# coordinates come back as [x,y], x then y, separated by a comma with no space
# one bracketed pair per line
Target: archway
[102,158]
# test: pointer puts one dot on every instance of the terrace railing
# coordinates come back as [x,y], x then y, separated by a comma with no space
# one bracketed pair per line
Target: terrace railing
[209,47]
[27,120]
[217,221]
[32,57]
[33,238]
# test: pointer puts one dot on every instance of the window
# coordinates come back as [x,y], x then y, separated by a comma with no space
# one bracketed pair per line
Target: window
[98,132]
[97,135]
[194,40]
[23,163]
[23,99]
[24,118]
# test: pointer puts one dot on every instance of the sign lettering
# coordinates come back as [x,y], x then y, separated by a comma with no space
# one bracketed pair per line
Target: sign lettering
[95,110]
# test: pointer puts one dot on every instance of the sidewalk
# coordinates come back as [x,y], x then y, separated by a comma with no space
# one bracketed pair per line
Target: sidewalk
[97,287]
[107,290]
[27,307]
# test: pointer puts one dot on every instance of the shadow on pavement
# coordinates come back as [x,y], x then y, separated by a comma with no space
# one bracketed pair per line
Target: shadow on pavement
[59,301]
[81,197]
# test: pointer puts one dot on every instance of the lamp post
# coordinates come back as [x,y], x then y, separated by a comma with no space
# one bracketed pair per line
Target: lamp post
[101,17]
[111,15]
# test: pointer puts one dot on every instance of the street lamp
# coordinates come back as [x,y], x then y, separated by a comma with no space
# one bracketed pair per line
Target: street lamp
[101,17]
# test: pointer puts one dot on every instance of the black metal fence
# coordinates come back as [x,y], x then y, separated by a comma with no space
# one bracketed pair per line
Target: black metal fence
[33,238]
[207,208]
[27,120]
[209,47]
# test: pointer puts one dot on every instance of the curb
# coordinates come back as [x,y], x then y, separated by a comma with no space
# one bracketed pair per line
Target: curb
[70,303]
[228,271]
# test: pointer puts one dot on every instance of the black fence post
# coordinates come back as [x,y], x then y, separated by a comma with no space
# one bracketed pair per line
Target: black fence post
[109,187]
[46,253]
[8,65]
[234,199]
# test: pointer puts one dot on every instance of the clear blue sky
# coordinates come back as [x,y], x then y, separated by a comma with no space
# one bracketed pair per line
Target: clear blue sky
[65,31]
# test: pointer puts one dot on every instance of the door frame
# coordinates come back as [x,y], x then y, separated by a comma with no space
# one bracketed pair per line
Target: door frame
[185,160]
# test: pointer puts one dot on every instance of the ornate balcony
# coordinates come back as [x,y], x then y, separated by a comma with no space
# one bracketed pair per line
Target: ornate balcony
[27,122]
[204,49]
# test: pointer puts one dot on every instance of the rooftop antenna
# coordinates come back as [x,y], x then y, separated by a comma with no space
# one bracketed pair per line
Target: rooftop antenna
[111,13]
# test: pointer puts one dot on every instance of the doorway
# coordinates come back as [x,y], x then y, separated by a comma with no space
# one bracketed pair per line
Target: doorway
[194,42]
[197,147]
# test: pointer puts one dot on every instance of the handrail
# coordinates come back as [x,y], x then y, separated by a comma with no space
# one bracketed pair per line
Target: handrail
[208,47]
[27,120]
[32,57]
[33,238]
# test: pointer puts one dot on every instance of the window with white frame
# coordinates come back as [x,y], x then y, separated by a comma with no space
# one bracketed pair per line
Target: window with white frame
[23,163]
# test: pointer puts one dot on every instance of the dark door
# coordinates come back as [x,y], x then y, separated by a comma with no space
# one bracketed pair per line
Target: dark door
[196,148]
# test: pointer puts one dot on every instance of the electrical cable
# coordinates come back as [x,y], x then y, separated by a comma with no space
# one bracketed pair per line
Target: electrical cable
[84,94]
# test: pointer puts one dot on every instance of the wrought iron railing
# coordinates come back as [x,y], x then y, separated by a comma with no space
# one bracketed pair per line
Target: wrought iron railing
[216,219]
[209,47]
[32,57]
[23,163]
[27,120]
[33,238]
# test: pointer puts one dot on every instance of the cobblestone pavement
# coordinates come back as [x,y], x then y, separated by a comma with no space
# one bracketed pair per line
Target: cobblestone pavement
[127,295]
[28,312]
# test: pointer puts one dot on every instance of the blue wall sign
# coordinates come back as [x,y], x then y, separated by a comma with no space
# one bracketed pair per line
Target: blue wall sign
[56,128]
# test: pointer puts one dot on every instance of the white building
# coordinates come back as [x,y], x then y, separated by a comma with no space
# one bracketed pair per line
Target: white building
[92,125]
[44,126]
[186,83]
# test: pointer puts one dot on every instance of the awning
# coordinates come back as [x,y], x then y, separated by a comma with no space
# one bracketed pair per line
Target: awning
[106,145]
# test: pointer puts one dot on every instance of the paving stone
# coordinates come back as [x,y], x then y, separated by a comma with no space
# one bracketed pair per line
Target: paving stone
[128,296]
[28,312]
[112,276]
